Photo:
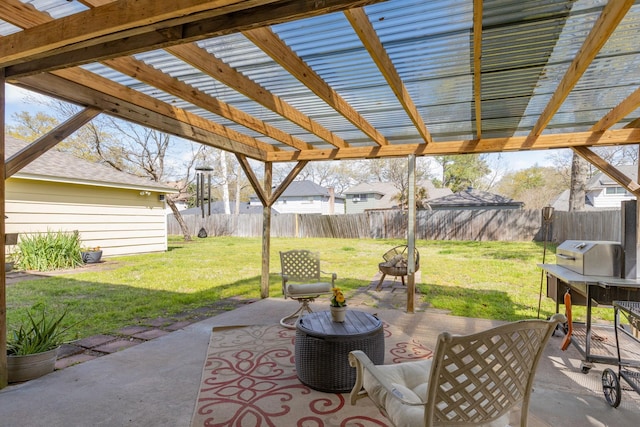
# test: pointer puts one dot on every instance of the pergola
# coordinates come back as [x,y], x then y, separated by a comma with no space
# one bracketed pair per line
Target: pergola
[317,80]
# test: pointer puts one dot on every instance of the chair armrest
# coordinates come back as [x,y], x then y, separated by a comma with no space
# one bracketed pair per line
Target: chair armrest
[334,276]
[359,360]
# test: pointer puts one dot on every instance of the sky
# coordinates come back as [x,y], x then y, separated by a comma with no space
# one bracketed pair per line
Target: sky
[15,102]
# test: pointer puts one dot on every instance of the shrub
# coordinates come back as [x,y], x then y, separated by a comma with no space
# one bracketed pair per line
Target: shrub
[50,251]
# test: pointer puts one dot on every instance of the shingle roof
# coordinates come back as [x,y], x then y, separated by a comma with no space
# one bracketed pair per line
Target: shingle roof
[600,179]
[305,188]
[58,166]
[387,188]
[381,188]
[473,198]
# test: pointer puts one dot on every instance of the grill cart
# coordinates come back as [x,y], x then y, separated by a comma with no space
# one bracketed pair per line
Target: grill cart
[628,349]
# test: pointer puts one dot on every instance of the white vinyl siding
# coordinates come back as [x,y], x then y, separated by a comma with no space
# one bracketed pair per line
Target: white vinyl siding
[610,197]
[308,205]
[120,221]
[370,201]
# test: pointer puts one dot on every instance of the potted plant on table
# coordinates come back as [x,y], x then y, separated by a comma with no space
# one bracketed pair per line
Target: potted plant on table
[32,347]
[338,305]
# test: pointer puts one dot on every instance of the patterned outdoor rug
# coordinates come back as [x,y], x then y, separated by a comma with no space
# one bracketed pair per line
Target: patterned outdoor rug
[249,379]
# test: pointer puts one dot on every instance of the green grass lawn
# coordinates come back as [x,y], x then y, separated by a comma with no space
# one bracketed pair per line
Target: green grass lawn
[495,280]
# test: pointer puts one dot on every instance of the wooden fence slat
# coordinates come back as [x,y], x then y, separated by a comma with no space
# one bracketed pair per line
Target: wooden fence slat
[480,225]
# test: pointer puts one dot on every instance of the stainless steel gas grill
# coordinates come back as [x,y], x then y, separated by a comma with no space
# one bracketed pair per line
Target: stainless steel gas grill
[593,273]
[591,258]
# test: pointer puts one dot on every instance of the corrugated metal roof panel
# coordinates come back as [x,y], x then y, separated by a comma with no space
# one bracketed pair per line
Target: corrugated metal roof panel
[527,48]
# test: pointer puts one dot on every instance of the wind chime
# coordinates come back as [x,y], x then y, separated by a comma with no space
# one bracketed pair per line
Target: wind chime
[203,193]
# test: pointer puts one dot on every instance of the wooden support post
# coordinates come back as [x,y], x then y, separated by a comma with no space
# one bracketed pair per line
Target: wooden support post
[43,144]
[411,234]
[3,280]
[266,230]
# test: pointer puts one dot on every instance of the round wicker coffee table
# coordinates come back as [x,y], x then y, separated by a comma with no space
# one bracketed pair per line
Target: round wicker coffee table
[322,348]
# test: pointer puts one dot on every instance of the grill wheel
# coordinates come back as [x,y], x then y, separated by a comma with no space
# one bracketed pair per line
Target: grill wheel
[611,387]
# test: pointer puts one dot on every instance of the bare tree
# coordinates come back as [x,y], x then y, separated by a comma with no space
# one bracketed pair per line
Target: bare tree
[579,173]
[123,146]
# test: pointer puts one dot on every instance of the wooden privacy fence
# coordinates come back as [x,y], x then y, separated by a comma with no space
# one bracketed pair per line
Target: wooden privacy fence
[480,225]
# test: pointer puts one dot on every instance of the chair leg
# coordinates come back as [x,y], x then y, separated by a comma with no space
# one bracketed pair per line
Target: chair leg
[380,282]
[291,320]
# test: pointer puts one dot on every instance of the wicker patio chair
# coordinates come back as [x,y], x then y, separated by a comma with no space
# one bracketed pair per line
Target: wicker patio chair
[302,281]
[473,379]
[395,263]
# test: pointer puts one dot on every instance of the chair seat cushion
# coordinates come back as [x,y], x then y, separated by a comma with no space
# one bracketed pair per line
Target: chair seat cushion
[409,381]
[302,289]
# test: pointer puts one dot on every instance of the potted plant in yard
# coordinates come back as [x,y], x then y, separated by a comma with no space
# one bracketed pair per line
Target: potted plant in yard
[338,305]
[32,347]
[91,255]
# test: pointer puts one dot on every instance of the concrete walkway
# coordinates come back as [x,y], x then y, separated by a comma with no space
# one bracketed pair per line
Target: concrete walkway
[155,383]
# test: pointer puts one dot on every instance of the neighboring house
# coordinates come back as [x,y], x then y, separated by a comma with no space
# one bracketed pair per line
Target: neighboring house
[121,213]
[602,193]
[471,199]
[306,197]
[382,195]
[218,208]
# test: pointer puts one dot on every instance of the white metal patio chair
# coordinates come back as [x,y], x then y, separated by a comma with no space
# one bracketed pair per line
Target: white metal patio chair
[472,379]
[302,281]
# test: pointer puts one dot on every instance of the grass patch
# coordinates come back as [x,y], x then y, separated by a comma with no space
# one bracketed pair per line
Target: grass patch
[495,280]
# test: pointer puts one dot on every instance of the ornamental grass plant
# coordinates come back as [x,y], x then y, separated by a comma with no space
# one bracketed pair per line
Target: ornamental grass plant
[38,332]
[49,251]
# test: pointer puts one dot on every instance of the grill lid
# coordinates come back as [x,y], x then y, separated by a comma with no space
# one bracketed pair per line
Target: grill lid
[591,257]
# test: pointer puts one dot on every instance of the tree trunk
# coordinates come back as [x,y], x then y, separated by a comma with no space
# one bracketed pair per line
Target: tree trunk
[178,216]
[577,194]
[225,184]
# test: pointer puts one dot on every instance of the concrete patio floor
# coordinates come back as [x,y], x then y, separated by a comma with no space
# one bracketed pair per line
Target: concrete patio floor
[156,383]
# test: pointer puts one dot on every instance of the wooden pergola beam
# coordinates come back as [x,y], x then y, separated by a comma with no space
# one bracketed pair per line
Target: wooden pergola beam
[369,38]
[32,17]
[127,27]
[489,145]
[214,67]
[253,179]
[43,144]
[85,88]
[153,77]
[609,170]
[273,46]
[602,29]
[293,173]
[619,112]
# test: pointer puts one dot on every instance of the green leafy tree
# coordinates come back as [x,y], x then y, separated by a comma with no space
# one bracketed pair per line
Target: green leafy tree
[462,171]
[536,186]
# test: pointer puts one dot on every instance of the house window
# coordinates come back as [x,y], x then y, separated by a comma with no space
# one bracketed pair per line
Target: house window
[359,198]
[612,191]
